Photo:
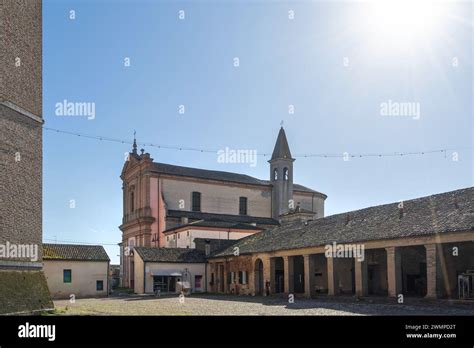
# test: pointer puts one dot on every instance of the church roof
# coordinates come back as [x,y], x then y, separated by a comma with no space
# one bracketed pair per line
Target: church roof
[228,218]
[440,213]
[216,223]
[282,149]
[198,173]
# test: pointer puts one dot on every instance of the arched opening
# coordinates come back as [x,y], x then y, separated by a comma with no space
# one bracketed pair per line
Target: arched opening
[258,277]
[285,174]
[275,174]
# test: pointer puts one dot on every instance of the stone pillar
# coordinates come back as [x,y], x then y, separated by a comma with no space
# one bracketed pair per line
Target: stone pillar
[251,277]
[431,270]
[226,269]
[308,275]
[394,271]
[332,281]
[266,274]
[288,274]
[361,279]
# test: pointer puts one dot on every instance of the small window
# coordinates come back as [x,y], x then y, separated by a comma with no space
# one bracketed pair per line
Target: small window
[67,276]
[99,285]
[243,206]
[179,235]
[275,174]
[187,233]
[242,277]
[167,238]
[285,174]
[196,201]
[132,202]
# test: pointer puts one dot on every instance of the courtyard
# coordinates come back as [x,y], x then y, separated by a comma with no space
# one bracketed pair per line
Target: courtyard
[206,304]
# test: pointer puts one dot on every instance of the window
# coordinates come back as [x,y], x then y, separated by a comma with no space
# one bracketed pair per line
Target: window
[67,276]
[179,235]
[167,238]
[99,285]
[243,206]
[197,282]
[132,201]
[242,277]
[187,233]
[285,174]
[275,174]
[196,204]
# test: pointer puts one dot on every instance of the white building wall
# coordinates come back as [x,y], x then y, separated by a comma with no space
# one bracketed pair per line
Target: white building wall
[84,277]
[216,198]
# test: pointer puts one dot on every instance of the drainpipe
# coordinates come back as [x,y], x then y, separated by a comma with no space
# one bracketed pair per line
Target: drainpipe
[144,277]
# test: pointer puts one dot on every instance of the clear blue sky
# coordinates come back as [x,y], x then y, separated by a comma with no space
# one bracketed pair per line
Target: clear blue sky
[282,62]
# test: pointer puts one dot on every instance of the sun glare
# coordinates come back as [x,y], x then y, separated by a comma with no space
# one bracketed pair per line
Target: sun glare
[400,22]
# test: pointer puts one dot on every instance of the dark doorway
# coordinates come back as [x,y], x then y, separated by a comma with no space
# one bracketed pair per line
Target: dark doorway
[259,277]
[279,275]
[298,269]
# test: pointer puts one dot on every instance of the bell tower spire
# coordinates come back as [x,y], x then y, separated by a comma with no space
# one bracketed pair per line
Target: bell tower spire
[281,176]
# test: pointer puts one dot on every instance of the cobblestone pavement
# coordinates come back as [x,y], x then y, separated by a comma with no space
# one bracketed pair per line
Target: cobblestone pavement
[204,304]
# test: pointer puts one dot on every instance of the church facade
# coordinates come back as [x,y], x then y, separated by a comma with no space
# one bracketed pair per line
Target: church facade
[168,206]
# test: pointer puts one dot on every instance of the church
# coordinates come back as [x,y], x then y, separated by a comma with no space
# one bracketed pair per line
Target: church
[168,206]
[188,229]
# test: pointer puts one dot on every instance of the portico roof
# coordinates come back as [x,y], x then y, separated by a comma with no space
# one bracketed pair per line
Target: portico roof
[440,213]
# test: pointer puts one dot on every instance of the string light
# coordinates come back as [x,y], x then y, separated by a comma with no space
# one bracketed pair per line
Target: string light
[202,150]
[318,155]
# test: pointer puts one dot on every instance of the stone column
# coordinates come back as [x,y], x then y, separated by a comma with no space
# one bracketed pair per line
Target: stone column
[251,277]
[308,275]
[431,270]
[288,274]
[266,274]
[332,281]
[361,280]
[394,271]
[226,269]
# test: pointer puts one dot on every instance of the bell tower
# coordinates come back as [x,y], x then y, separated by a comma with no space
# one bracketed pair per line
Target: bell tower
[281,175]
